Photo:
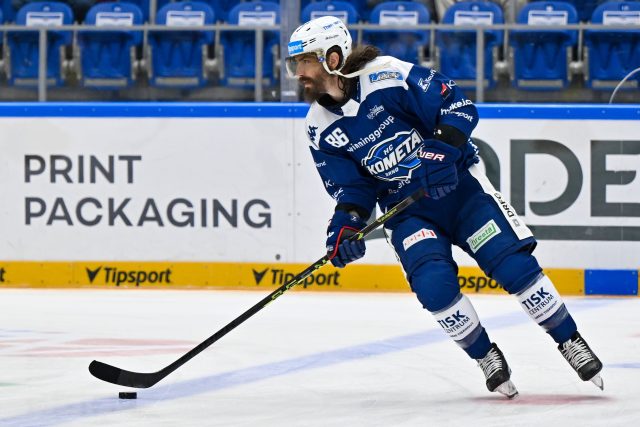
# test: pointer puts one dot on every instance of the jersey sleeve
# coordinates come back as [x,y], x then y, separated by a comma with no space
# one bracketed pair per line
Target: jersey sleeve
[437,100]
[343,180]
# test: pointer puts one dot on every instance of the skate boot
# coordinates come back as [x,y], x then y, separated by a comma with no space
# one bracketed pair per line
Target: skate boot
[497,372]
[582,359]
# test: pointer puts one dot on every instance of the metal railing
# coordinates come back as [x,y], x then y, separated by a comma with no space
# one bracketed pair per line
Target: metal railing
[578,65]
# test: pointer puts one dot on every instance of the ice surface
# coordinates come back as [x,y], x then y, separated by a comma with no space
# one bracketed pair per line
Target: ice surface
[308,359]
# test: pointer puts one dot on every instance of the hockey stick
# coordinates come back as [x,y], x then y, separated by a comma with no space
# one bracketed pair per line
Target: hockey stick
[126,378]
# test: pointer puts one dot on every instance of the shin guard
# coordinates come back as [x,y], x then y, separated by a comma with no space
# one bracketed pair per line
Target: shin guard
[542,302]
[460,321]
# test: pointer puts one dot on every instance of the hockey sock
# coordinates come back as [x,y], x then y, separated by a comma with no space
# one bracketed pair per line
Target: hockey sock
[543,304]
[460,321]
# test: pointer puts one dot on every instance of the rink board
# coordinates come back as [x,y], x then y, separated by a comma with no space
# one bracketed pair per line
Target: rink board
[212,195]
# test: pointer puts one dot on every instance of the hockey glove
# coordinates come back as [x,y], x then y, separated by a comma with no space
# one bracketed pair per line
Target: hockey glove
[340,250]
[438,173]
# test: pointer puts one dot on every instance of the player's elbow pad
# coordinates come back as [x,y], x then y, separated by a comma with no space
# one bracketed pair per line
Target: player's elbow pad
[450,135]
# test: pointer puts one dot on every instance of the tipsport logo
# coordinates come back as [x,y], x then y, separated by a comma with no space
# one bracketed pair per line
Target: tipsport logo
[278,277]
[477,283]
[113,275]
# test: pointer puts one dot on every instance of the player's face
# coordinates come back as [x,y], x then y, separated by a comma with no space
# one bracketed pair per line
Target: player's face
[312,76]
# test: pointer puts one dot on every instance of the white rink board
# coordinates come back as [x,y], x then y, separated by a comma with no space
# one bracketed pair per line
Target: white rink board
[191,159]
[264,166]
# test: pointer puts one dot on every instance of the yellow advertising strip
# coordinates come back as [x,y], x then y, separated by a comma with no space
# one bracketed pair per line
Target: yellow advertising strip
[267,276]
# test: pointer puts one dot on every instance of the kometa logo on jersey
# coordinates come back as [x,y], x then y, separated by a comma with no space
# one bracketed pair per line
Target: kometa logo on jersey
[394,158]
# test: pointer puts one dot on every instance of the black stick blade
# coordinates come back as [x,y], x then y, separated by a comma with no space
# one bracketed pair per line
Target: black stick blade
[118,376]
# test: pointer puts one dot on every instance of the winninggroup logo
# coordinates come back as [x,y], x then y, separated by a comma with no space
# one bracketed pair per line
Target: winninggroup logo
[114,276]
[278,277]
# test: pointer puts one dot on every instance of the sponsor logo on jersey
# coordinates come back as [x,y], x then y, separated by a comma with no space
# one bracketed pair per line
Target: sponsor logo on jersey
[483,235]
[118,277]
[373,136]
[384,75]
[508,210]
[295,47]
[455,105]
[418,237]
[321,164]
[394,158]
[312,133]
[336,195]
[445,90]
[465,116]
[278,277]
[425,83]
[375,110]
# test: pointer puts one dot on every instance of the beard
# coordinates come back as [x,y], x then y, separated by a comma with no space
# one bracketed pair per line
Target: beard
[313,92]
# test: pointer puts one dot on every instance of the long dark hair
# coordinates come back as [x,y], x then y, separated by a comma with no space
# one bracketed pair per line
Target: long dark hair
[358,58]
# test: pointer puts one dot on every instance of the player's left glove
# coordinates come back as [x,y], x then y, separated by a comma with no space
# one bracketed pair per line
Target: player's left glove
[340,250]
[438,172]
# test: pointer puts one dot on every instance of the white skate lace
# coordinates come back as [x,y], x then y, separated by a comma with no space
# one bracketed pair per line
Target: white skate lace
[576,353]
[491,363]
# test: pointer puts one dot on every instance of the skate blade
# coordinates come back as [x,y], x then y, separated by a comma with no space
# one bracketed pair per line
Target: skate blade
[508,389]
[597,380]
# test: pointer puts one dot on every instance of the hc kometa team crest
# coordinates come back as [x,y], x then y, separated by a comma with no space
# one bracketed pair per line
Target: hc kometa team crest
[394,158]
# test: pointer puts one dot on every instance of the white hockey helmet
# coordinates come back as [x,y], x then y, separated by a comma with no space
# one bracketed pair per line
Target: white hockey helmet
[318,36]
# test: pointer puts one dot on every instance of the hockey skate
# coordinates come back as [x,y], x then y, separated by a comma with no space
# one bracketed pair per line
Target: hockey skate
[577,352]
[497,372]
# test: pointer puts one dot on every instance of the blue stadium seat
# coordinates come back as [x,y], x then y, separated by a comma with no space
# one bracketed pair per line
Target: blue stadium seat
[217,5]
[239,50]
[457,48]
[541,58]
[340,9]
[6,11]
[145,7]
[612,54]
[407,45]
[360,7]
[178,58]
[107,58]
[23,55]
[585,8]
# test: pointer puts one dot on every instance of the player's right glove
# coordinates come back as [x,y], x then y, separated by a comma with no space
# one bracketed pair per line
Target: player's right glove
[340,250]
[438,173]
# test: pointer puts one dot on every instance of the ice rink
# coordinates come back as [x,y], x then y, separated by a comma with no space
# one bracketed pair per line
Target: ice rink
[308,359]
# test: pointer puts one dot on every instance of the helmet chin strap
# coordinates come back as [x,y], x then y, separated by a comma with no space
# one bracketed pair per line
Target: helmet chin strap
[358,72]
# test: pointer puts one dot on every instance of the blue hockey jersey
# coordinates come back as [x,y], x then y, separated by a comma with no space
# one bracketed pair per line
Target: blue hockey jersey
[366,148]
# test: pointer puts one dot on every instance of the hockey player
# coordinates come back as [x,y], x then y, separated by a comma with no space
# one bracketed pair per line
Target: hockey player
[379,129]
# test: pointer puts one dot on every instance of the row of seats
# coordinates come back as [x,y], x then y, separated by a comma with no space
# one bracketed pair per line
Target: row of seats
[113,59]
[222,8]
